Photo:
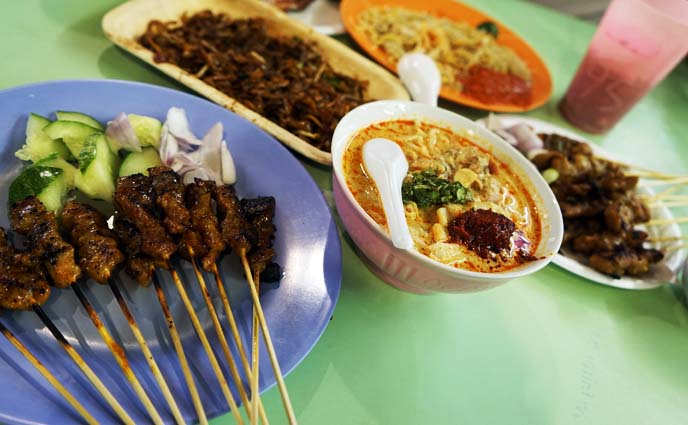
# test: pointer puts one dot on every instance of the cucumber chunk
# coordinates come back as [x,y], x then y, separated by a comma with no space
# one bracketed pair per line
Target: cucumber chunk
[140,162]
[79,117]
[147,129]
[72,133]
[38,144]
[55,161]
[46,183]
[97,164]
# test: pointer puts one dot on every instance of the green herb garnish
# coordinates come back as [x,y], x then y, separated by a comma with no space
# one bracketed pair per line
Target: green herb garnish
[489,27]
[427,189]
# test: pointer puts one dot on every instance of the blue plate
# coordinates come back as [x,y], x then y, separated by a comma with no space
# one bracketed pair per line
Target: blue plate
[297,310]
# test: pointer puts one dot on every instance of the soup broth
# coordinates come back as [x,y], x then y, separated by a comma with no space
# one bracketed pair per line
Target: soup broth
[474,234]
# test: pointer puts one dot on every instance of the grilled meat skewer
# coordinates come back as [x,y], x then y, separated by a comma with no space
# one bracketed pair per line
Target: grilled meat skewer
[98,253]
[22,283]
[259,213]
[30,218]
[25,286]
[97,250]
[199,198]
[191,235]
[135,200]
[169,196]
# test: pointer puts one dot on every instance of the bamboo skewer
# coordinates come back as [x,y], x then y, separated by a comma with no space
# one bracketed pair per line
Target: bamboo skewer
[221,336]
[79,361]
[155,370]
[179,348]
[206,345]
[268,341]
[237,338]
[664,182]
[120,356]
[48,376]
[663,221]
[668,238]
[255,354]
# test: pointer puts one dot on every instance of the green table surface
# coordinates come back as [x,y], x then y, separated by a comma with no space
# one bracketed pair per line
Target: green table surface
[551,348]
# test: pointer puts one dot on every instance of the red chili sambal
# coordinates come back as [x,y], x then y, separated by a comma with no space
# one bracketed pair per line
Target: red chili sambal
[490,87]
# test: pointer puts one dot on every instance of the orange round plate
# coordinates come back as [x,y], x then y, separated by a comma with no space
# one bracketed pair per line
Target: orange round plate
[450,9]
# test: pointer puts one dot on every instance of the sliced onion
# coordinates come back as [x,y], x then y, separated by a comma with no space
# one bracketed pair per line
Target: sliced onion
[520,242]
[121,134]
[228,169]
[207,159]
[169,148]
[527,137]
[178,126]
[506,136]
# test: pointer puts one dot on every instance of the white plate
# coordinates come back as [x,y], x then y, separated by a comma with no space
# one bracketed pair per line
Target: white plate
[660,274]
[322,15]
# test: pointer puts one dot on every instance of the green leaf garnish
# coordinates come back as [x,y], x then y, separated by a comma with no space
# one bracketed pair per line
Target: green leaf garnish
[427,189]
[489,27]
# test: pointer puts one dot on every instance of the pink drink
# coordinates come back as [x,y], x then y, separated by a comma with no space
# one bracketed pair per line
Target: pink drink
[637,43]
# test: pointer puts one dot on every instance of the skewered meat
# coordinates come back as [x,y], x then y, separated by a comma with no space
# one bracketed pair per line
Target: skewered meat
[22,283]
[96,244]
[236,231]
[135,200]
[259,213]
[483,231]
[169,196]
[139,265]
[625,261]
[199,198]
[599,207]
[30,218]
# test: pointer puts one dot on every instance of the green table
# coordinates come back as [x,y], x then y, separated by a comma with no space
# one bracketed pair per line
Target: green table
[548,349]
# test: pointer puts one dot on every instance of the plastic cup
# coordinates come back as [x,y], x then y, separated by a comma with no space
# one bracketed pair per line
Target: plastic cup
[636,45]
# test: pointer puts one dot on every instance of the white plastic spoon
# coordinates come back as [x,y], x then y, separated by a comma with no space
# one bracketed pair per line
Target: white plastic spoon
[421,77]
[386,164]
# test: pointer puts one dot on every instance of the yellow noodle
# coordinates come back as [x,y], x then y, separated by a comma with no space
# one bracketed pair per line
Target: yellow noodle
[455,46]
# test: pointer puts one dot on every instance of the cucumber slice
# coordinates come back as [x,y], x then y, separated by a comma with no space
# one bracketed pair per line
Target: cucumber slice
[55,161]
[46,183]
[38,144]
[79,117]
[147,129]
[96,168]
[72,133]
[140,162]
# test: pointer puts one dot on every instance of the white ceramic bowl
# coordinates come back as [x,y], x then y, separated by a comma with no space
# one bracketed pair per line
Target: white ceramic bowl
[411,270]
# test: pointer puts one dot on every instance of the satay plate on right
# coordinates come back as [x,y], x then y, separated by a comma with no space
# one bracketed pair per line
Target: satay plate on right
[661,273]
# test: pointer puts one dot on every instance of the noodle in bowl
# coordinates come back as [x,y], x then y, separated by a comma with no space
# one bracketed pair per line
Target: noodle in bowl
[418,270]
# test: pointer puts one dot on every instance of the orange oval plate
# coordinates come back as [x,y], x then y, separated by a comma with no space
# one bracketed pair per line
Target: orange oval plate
[450,9]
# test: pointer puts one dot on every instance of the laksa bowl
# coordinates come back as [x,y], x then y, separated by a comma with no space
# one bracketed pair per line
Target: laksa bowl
[479,212]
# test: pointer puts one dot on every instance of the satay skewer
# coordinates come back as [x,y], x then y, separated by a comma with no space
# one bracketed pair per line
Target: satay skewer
[64,392]
[81,364]
[135,198]
[242,236]
[98,253]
